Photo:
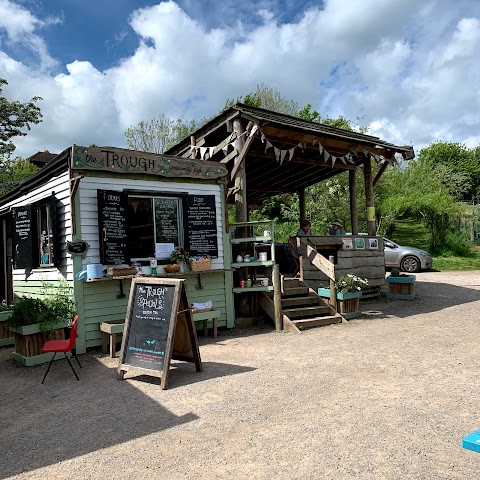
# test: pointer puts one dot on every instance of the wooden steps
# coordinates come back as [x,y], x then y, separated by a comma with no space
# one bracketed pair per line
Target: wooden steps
[302,308]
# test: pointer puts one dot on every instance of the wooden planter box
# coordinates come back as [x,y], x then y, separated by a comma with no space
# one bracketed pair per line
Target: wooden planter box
[5,335]
[401,288]
[29,341]
[348,304]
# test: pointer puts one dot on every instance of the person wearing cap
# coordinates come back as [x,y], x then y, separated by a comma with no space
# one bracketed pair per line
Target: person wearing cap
[336,228]
[304,229]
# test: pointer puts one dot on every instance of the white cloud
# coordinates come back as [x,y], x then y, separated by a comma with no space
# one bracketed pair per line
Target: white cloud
[411,71]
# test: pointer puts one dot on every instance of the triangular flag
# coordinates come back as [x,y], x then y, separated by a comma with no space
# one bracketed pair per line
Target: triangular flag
[277,153]
[343,159]
[262,137]
[225,149]
[320,149]
[333,160]
[327,156]
[193,149]
[291,153]
[203,151]
[211,151]
[268,145]
[282,155]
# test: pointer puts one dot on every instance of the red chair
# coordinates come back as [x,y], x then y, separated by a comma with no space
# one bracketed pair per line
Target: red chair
[65,346]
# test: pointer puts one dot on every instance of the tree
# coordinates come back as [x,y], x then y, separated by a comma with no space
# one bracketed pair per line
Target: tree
[426,190]
[159,134]
[13,172]
[457,159]
[268,98]
[13,117]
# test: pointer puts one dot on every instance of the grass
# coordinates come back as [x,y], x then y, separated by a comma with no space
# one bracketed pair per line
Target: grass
[409,232]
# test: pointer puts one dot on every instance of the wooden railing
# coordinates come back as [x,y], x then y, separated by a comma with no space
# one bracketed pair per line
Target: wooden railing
[308,251]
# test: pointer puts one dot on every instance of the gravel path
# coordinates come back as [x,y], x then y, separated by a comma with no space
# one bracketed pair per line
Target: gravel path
[387,396]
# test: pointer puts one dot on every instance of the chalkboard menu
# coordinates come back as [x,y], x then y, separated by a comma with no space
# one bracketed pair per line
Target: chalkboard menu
[201,225]
[22,237]
[166,220]
[158,327]
[112,208]
[149,325]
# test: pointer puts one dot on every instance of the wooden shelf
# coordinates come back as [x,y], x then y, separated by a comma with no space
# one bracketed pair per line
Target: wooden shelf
[159,275]
[250,239]
[253,289]
[268,263]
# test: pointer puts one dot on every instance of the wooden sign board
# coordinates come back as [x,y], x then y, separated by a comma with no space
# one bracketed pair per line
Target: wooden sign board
[120,160]
[159,327]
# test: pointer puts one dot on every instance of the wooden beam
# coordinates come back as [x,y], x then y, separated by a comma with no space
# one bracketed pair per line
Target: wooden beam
[352,184]
[231,155]
[239,162]
[369,197]
[383,167]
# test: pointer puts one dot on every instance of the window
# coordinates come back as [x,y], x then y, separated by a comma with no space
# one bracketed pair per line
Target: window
[45,235]
[151,223]
[34,234]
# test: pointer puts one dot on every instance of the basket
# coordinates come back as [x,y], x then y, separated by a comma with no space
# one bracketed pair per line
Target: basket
[200,265]
[175,268]
[121,271]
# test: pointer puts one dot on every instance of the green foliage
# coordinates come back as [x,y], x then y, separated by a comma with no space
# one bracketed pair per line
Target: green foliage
[158,135]
[55,306]
[14,116]
[453,263]
[268,98]
[306,114]
[464,163]
[457,243]
[13,172]
[350,283]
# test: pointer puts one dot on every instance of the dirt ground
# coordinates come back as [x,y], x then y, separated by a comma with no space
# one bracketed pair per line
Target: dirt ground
[389,395]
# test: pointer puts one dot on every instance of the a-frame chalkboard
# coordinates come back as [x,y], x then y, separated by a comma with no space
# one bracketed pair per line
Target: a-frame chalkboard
[159,327]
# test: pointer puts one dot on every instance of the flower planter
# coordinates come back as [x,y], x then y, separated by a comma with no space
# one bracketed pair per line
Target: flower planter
[5,335]
[348,303]
[401,288]
[29,341]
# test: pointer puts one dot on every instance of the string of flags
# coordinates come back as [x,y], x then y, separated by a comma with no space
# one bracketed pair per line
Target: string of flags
[282,154]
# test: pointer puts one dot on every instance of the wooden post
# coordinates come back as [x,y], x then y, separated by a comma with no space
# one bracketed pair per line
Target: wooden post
[277,298]
[193,144]
[301,203]
[369,197]
[241,208]
[333,294]
[352,183]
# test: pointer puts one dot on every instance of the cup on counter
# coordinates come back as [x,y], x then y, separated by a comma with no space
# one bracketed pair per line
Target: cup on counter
[248,283]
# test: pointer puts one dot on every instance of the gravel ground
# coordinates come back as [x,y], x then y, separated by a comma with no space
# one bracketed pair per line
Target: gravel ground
[389,395]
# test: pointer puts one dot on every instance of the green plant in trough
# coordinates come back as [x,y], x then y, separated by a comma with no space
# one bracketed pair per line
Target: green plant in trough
[56,306]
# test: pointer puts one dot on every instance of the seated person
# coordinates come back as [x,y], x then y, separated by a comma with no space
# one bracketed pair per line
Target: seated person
[304,229]
[336,228]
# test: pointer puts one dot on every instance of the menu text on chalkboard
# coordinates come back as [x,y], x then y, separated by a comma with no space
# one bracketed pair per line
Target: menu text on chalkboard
[166,220]
[112,208]
[201,225]
[159,326]
[22,236]
[150,321]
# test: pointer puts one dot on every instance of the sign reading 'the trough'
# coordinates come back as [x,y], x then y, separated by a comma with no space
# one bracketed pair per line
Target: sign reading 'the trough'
[120,160]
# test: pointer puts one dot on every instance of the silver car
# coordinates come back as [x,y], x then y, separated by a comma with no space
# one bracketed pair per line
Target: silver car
[407,259]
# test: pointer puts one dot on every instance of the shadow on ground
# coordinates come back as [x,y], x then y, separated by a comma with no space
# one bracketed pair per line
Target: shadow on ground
[430,297]
[65,418]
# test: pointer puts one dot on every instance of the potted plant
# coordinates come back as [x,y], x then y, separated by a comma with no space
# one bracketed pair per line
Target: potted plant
[400,285]
[180,256]
[348,290]
[33,321]
[5,335]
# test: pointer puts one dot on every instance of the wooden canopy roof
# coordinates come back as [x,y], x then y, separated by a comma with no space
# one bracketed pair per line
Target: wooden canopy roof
[319,151]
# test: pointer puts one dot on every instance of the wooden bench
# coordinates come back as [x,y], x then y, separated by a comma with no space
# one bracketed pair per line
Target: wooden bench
[205,317]
[109,333]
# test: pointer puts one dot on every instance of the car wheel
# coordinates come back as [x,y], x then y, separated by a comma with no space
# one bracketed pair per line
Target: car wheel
[410,264]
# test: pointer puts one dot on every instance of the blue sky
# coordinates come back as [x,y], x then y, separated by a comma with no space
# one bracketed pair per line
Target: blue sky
[410,69]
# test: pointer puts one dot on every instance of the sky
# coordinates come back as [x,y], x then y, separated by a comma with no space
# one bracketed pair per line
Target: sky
[408,70]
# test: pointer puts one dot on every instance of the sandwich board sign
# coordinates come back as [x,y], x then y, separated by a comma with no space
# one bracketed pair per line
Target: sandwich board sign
[159,327]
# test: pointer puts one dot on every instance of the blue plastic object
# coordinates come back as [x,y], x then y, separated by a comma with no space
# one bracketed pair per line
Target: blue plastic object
[472,441]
